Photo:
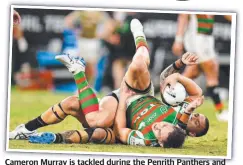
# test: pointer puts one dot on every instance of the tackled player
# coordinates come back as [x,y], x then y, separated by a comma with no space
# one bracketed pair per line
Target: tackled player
[137,80]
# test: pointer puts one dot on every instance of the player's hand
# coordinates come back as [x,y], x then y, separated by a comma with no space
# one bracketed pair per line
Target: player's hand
[195,104]
[16,18]
[171,80]
[177,48]
[189,58]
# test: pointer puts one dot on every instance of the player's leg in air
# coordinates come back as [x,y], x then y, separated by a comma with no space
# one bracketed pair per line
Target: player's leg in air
[85,107]
[137,77]
[96,114]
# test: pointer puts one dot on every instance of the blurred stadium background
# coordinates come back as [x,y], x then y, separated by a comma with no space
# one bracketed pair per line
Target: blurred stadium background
[39,81]
[45,33]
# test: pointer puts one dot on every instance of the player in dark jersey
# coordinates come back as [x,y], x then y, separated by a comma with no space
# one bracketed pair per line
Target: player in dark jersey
[100,135]
[149,121]
[101,116]
[138,116]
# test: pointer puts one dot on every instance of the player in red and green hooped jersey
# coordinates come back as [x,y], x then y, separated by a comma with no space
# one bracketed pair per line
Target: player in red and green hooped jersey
[152,123]
[99,135]
[89,107]
[194,32]
[139,116]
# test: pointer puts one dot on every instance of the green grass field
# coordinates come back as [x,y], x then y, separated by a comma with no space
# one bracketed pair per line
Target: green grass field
[28,105]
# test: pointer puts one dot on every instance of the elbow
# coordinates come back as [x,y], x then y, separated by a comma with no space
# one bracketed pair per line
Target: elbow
[200,92]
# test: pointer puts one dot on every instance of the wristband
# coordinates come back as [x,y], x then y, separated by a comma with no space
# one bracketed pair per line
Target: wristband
[175,67]
[179,39]
[182,62]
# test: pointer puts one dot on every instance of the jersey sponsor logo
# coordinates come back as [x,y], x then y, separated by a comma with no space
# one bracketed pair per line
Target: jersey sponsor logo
[144,112]
[151,118]
[163,109]
[141,125]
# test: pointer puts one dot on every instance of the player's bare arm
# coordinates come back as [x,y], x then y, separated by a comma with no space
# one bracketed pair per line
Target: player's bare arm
[193,90]
[120,129]
[186,59]
[177,47]
[170,75]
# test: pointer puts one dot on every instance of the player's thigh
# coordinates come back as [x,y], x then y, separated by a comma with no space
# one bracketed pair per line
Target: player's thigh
[106,114]
[192,71]
[108,108]
[137,75]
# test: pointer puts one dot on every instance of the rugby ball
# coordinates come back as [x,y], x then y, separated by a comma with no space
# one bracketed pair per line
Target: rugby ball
[174,95]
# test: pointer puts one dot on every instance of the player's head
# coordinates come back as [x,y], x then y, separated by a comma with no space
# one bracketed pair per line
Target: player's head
[198,125]
[168,135]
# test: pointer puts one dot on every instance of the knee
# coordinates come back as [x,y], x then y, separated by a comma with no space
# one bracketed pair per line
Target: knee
[212,82]
[70,104]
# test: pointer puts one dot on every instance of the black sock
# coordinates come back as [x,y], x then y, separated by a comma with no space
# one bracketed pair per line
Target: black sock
[215,97]
[35,124]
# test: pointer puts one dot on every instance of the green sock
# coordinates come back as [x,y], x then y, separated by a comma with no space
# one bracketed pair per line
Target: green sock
[141,41]
[87,97]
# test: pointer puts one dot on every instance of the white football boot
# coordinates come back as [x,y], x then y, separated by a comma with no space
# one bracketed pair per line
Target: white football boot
[74,64]
[21,133]
[223,116]
[137,29]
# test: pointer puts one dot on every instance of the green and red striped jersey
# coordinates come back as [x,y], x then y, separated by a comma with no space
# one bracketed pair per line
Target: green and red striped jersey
[143,112]
[205,23]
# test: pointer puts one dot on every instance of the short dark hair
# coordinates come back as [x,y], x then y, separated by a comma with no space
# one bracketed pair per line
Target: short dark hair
[205,130]
[175,139]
